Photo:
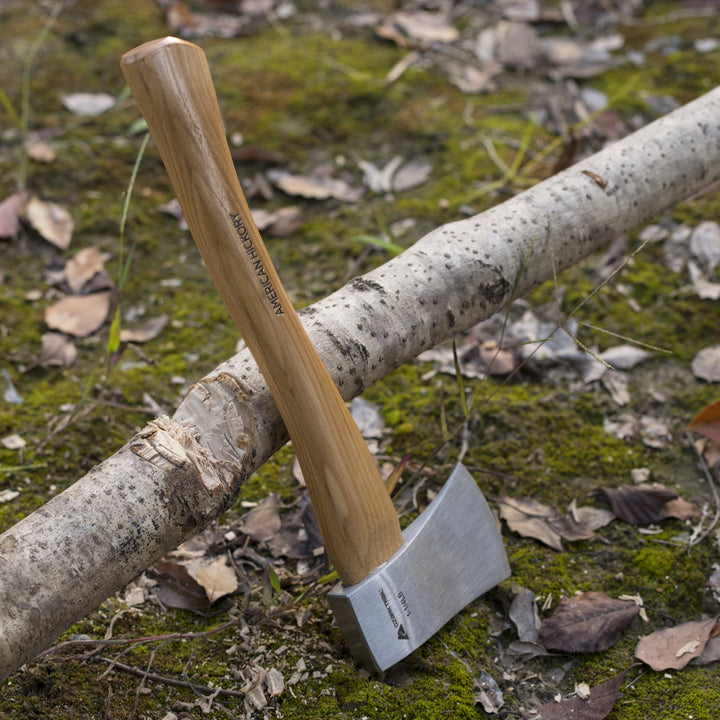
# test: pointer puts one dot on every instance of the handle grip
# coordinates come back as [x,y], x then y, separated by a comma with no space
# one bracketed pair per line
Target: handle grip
[171,82]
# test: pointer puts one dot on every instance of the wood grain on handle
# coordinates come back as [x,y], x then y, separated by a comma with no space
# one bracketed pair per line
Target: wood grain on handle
[171,82]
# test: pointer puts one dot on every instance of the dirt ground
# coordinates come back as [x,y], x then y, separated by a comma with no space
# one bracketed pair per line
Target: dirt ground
[478,100]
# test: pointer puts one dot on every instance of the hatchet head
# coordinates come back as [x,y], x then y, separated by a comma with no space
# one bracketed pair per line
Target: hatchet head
[451,554]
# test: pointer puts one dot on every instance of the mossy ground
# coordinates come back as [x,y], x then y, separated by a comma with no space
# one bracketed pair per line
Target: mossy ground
[312,98]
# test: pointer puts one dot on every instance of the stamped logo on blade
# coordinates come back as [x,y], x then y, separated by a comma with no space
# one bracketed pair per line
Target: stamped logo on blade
[401,632]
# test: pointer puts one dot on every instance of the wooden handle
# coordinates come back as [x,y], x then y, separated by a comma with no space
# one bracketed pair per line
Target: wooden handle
[171,82]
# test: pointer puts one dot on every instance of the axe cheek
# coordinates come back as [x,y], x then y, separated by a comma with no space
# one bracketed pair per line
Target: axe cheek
[451,554]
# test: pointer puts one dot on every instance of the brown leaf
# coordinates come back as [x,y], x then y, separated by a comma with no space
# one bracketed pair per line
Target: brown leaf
[516,44]
[56,350]
[426,26]
[528,518]
[419,27]
[711,651]
[40,151]
[570,529]
[82,267]
[147,331]
[177,587]
[299,535]
[706,364]
[497,360]
[263,521]
[279,223]
[50,220]
[88,104]
[78,315]
[11,208]
[590,517]
[639,504]
[524,613]
[679,509]
[673,648]
[596,707]
[707,422]
[255,154]
[217,578]
[587,623]
[411,175]
[317,187]
[487,693]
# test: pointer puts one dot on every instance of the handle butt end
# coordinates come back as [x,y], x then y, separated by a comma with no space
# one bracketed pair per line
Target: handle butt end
[151,47]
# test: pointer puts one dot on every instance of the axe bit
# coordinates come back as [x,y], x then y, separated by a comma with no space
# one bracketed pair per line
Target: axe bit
[397,589]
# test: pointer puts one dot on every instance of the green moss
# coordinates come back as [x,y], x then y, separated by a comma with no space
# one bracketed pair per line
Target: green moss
[309,98]
[692,692]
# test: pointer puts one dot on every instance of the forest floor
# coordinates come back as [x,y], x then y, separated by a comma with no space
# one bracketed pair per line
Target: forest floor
[420,114]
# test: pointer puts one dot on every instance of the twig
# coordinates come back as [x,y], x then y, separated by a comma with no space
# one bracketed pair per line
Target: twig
[195,687]
[716,497]
[137,641]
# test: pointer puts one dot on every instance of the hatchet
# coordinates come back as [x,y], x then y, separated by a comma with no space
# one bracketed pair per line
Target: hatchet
[396,589]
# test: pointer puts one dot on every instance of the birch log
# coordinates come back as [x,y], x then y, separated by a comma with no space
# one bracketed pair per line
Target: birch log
[176,475]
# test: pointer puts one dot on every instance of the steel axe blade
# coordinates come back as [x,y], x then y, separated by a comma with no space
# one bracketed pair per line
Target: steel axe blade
[451,554]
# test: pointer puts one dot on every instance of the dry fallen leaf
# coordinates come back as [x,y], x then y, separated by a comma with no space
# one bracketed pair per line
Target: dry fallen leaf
[50,220]
[56,350]
[487,693]
[263,522]
[591,517]
[218,579]
[418,27]
[497,360]
[524,614]
[411,175]
[528,518]
[88,104]
[624,357]
[81,268]
[516,44]
[711,651]
[673,648]
[705,245]
[11,209]
[79,315]
[707,422]
[8,495]
[640,504]
[13,442]
[181,21]
[679,509]
[149,330]
[279,223]
[316,187]
[587,623]
[596,706]
[40,151]
[706,364]
[653,432]
[177,588]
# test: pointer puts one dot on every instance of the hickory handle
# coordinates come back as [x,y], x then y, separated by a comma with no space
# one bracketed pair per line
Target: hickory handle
[172,84]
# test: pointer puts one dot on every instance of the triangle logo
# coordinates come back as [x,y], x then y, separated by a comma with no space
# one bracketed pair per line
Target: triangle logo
[402,635]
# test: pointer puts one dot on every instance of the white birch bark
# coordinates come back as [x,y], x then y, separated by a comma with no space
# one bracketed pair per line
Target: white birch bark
[178,474]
